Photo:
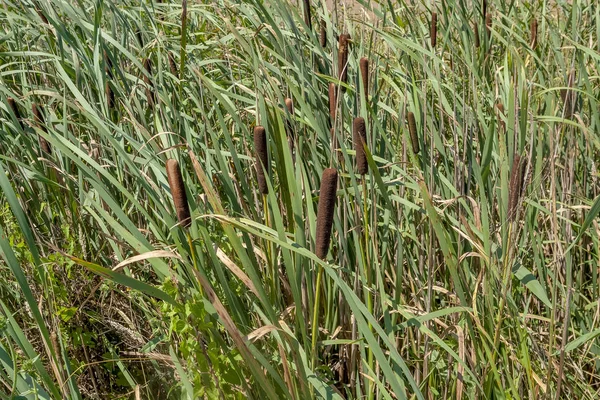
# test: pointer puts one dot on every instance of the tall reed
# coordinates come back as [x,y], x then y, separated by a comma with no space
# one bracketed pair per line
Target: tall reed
[178,192]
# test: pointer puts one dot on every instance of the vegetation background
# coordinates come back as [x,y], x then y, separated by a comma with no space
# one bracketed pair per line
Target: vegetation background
[463,258]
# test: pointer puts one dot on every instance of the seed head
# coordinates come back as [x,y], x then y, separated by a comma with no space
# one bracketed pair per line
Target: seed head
[323,35]
[364,73]
[262,158]
[433,30]
[515,186]
[534,32]
[307,16]
[359,137]
[332,101]
[38,118]
[327,199]
[476,34]
[412,128]
[172,64]
[178,192]
[569,96]
[15,109]
[343,59]
[488,23]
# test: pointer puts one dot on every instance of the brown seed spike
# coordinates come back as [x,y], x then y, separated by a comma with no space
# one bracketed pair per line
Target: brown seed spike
[569,96]
[412,128]
[488,24]
[484,8]
[343,59]
[173,65]
[150,97]
[307,16]
[476,34]
[262,158]
[323,35]
[433,30]
[178,192]
[500,108]
[38,118]
[332,101]
[364,73]
[289,105]
[15,109]
[110,95]
[514,189]
[359,136]
[327,200]
[534,32]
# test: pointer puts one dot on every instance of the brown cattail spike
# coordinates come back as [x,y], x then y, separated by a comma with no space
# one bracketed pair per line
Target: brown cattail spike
[412,129]
[569,96]
[307,16]
[262,158]
[323,34]
[534,32]
[364,74]
[289,105]
[488,24]
[173,65]
[178,192]
[500,108]
[359,137]
[332,101]
[433,30]
[476,34]
[150,97]
[15,109]
[515,186]
[343,59]
[327,199]
[38,118]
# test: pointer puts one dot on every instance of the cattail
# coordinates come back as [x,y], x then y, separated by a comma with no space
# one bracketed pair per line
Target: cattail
[178,191]
[332,101]
[484,8]
[569,96]
[38,118]
[15,109]
[327,198]
[172,64]
[140,39]
[488,24]
[323,35]
[476,34]
[412,129]
[262,158]
[41,15]
[343,59]
[364,73]
[289,105]
[534,32]
[110,95]
[433,29]
[307,16]
[500,108]
[515,186]
[108,66]
[150,95]
[359,136]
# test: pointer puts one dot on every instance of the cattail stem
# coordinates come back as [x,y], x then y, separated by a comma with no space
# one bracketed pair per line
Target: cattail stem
[412,129]
[359,136]
[364,73]
[343,59]
[262,158]
[433,30]
[178,192]
[38,118]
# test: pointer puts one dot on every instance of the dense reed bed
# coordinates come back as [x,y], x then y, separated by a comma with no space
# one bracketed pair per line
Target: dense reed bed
[267,200]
